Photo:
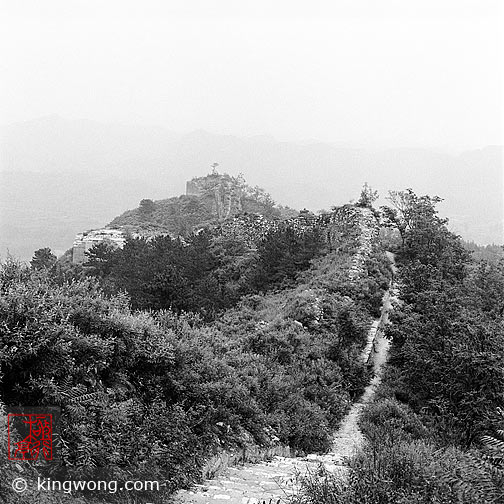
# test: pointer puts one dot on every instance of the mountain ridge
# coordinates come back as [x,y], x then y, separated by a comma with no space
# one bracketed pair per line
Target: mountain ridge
[136,162]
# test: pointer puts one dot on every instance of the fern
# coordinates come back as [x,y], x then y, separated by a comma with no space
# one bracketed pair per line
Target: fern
[87,398]
[483,480]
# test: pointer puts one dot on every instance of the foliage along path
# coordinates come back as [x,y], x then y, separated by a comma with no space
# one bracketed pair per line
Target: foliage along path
[272,482]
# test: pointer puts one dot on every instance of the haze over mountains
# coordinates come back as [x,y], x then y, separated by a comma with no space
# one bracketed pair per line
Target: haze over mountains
[61,177]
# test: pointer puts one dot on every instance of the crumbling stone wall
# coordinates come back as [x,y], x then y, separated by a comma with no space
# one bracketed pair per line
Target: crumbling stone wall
[85,241]
[344,226]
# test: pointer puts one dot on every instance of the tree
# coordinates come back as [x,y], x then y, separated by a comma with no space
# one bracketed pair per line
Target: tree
[284,253]
[367,196]
[100,259]
[425,237]
[487,283]
[43,259]
[400,215]
[448,338]
[147,207]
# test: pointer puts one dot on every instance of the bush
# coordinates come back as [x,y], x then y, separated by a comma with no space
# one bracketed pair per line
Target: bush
[399,464]
[387,416]
[156,392]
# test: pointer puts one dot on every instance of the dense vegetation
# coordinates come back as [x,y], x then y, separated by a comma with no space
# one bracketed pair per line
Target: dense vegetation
[205,273]
[435,429]
[489,253]
[222,340]
[151,383]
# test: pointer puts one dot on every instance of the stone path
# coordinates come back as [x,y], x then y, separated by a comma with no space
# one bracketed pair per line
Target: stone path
[274,481]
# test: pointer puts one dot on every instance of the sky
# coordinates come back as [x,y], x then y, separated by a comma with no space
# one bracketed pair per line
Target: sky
[382,73]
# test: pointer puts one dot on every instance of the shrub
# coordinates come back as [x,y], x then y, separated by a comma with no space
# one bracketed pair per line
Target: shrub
[387,416]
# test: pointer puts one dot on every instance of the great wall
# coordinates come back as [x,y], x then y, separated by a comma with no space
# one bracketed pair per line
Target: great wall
[273,475]
[278,475]
[225,196]
[255,474]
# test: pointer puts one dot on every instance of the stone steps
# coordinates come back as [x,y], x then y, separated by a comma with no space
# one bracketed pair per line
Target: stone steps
[267,482]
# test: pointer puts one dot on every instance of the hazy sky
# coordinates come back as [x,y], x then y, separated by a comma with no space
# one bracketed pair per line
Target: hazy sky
[377,72]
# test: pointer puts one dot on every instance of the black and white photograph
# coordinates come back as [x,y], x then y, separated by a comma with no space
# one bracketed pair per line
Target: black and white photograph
[251,252]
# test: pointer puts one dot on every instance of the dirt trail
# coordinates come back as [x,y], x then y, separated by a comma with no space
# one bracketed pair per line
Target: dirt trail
[272,482]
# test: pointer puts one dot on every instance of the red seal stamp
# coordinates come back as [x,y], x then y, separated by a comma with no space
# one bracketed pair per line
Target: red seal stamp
[30,435]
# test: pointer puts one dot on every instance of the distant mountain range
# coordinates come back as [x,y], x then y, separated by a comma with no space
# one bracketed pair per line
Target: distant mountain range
[61,177]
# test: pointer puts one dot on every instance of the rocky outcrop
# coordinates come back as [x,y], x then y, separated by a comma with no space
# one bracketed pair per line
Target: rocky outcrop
[221,193]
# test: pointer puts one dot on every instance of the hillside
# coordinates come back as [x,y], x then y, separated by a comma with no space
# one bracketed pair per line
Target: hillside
[252,337]
[433,430]
[217,346]
[211,199]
